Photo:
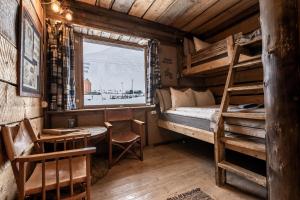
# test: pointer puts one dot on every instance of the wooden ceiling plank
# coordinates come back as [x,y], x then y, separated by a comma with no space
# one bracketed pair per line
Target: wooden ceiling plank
[122,6]
[106,3]
[175,10]
[100,18]
[91,2]
[140,7]
[223,17]
[156,9]
[246,25]
[193,12]
[209,14]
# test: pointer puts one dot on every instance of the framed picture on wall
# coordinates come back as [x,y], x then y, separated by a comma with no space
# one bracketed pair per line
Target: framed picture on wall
[30,45]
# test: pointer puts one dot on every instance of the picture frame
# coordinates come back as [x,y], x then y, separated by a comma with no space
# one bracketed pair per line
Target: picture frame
[30,55]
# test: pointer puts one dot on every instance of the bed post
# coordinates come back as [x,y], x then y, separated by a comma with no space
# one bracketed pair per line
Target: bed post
[230,47]
[279,21]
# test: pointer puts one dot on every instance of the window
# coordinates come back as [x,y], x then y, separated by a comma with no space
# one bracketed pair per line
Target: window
[113,74]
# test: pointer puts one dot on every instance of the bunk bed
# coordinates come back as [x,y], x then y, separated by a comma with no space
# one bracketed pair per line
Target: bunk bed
[200,123]
[217,56]
[244,128]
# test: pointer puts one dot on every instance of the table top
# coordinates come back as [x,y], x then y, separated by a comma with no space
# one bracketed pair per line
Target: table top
[95,131]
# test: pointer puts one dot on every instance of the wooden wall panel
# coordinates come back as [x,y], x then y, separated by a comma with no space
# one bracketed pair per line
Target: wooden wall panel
[14,108]
[8,61]
[168,65]
[8,20]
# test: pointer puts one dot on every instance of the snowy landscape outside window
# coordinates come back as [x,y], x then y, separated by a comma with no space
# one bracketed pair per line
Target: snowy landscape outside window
[113,74]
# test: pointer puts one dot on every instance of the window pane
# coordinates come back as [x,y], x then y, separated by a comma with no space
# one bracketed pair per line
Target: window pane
[113,74]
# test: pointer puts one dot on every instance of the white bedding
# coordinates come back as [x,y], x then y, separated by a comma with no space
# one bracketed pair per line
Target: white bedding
[207,112]
[197,112]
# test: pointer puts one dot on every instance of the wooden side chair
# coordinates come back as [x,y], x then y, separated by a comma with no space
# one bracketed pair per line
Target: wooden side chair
[124,132]
[52,171]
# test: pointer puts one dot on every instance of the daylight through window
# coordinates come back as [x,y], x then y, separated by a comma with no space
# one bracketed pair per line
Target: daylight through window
[113,74]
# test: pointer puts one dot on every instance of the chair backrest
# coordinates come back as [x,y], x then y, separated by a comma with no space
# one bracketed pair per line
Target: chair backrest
[116,115]
[18,139]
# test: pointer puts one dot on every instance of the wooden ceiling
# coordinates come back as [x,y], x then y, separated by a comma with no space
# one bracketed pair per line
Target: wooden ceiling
[200,17]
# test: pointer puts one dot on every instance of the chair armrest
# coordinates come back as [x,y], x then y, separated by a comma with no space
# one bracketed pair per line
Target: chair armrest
[108,125]
[55,155]
[70,136]
[137,127]
[138,122]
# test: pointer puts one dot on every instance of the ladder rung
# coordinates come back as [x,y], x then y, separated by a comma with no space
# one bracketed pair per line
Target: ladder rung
[251,63]
[244,144]
[244,115]
[254,132]
[246,88]
[252,176]
[252,42]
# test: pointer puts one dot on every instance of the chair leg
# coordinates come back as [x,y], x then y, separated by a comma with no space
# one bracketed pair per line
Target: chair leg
[109,155]
[141,151]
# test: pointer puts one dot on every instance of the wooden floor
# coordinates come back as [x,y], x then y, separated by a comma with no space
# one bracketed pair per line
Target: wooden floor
[168,170]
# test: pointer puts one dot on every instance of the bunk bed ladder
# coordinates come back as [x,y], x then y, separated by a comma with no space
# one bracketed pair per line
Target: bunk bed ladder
[221,140]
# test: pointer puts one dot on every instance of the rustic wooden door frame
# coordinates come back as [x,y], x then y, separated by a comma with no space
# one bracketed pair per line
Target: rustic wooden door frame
[280,30]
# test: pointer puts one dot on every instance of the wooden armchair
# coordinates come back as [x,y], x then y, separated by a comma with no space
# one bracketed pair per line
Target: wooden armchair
[52,171]
[123,132]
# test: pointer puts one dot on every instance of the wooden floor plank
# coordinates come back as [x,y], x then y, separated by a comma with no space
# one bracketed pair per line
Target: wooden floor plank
[169,170]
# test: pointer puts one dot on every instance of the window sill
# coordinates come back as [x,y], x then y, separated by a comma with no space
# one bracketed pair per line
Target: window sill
[146,107]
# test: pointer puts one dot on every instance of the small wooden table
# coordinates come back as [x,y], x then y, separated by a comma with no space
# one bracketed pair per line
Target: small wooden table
[98,134]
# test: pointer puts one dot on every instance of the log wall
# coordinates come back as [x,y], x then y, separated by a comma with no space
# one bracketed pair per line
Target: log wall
[14,108]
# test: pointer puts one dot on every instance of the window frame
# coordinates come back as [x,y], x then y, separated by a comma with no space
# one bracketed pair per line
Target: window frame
[79,68]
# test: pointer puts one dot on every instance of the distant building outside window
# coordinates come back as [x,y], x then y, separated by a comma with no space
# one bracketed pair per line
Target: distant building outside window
[113,74]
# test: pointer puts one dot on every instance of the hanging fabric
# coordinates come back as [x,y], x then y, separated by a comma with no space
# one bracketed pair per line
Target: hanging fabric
[61,69]
[153,71]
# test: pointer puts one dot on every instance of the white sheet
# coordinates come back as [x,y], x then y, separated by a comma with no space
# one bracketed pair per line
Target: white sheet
[207,112]
[197,112]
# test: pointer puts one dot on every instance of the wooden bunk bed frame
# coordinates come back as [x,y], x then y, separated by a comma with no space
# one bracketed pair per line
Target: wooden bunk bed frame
[245,147]
[217,56]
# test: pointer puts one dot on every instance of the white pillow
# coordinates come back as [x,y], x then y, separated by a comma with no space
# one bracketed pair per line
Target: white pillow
[199,44]
[182,99]
[204,98]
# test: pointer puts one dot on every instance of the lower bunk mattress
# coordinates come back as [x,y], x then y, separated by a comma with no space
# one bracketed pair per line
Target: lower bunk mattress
[205,117]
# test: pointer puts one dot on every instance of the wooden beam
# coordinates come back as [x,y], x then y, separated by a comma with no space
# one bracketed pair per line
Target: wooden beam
[232,16]
[96,17]
[279,20]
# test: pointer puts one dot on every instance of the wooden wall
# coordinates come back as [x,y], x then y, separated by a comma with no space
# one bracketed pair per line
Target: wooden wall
[14,108]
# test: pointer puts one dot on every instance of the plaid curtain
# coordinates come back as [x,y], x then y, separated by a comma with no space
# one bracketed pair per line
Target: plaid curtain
[153,71]
[61,69]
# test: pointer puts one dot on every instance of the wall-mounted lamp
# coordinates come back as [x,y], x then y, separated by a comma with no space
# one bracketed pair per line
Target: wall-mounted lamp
[68,15]
[56,6]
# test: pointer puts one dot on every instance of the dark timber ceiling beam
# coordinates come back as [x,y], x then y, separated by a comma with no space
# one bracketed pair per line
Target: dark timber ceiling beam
[280,30]
[96,17]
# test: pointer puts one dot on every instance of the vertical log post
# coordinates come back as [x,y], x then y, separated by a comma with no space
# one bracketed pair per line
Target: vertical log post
[279,21]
